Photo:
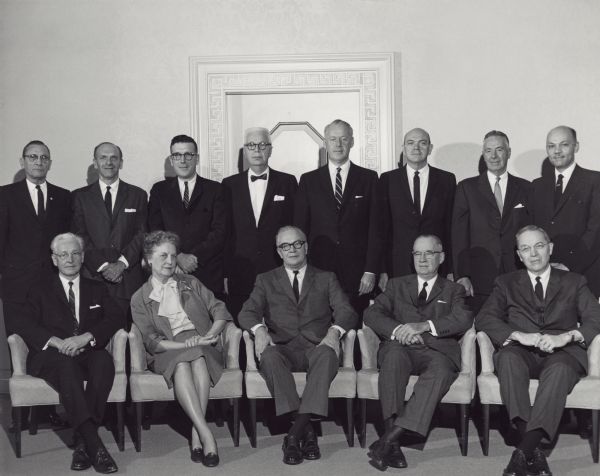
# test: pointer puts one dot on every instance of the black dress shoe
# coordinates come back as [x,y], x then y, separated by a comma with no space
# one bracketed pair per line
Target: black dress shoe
[396,457]
[81,460]
[310,446]
[539,465]
[379,455]
[292,454]
[210,460]
[517,466]
[103,462]
[197,455]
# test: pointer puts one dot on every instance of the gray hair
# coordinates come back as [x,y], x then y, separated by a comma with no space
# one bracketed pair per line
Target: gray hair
[339,122]
[290,228]
[527,228]
[262,130]
[64,237]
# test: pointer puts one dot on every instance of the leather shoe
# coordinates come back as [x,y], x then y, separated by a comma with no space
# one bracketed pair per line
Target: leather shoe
[197,455]
[310,446]
[396,457]
[81,460]
[379,454]
[210,460]
[292,454]
[539,465]
[103,462]
[517,466]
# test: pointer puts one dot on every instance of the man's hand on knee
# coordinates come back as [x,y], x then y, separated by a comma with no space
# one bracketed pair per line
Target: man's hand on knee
[332,339]
[262,340]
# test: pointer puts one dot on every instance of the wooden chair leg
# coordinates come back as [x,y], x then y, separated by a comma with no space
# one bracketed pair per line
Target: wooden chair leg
[595,424]
[485,410]
[362,435]
[18,416]
[464,429]
[236,422]
[219,413]
[252,422]
[33,421]
[120,427]
[350,421]
[138,426]
[147,415]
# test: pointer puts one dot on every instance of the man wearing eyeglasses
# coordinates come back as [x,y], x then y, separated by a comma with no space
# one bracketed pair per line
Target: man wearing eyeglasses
[195,209]
[111,216]
[419,319]
[260,200]
[68,321]
[297,315]
[541,321]
[32,212]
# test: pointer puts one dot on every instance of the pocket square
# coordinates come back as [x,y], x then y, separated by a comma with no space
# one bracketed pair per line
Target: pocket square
[441,302]
[94,306]
[278,198]
[520,205]
[130,210]
[359,196]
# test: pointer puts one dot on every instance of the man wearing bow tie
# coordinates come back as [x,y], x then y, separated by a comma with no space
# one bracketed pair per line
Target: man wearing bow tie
[419,319]
[68,321]
[111,215]
[540,320]
[260,200]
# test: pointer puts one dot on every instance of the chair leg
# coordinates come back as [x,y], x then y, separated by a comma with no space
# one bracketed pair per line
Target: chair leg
[33,421]
[595,424]
[252,422]
[350,422]
[485,410]
[138,426]
[18,415]
[147,415]
[120,427]
[464,429]
[219,412]
[236,422]
[362,435]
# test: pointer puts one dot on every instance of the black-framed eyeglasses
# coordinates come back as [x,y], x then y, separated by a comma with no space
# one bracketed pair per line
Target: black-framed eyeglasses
[34,157]
[187,157]
[288,246]
[260,145]
[428,254]
[65,255]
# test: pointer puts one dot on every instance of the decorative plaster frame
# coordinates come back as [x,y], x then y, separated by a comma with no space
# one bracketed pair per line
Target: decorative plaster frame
[372,75]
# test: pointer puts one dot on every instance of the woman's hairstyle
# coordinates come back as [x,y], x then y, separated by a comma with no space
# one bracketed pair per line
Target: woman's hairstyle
[157,238]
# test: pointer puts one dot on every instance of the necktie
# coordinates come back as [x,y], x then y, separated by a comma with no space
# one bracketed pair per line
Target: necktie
[498,195]
[558,190]
[417,191]
[108,201]
[423,294]
[72,307]
[338,188]
[295,286]
[254,178]
[40,202]
[539,290]
[186,195]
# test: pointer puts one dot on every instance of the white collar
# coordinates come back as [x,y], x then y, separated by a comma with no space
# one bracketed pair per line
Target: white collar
[565,173]
[344,167]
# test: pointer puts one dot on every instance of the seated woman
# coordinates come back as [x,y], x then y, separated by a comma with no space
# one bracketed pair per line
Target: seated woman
[180,321]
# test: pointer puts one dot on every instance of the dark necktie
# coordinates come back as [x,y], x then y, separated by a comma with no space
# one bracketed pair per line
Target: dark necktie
[254,178]
[558,190]
[338,188]
[295,286]
[72,307]
[539,290]
[40,200]
[108,201]
[417,191]
[423,295]
[498,195]
[186,195]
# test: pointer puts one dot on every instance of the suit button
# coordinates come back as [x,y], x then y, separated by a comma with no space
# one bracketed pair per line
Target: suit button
[337,242]
[552,223]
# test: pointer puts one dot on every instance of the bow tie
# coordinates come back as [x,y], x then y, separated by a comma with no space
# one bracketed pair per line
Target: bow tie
[254,178]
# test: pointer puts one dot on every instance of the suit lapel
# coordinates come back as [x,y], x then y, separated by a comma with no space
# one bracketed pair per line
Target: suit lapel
[325,179]
[307,282]
[60,291]
[26,198]
[283,281]
[269,194]
[351,182]
[120,199]
[197,193]
[414,290]
[510,197]
[403,185]
[431,189]
[98,202]
[174,195]
[85,299]
[436,290]
[575,182]
[553,286]
[483,185]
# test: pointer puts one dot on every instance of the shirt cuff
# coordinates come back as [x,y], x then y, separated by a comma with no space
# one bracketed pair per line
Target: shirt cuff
[102,266]
[253,329]
[370,272]
[432,330]
[339,329]
[47,344]
[393,337]
[123,260]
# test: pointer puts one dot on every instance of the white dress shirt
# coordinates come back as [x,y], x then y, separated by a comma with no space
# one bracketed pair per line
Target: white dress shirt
[423,182]
[566,175]
[34,195]
[65,282]
[544,278]
[428,289]
[343,173]
[191,185]
[503,181]
[258,189]
[114,188]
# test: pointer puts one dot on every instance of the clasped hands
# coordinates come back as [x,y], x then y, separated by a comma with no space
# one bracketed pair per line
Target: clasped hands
[409,334]
[71,346]
[208,339]
[544,342]
[113,272]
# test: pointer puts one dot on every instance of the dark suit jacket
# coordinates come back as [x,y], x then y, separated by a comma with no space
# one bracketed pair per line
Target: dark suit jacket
[574,227]
[322,303]
[445,308]
[202,228]
[403,223]
[514,306]
[105,239]
[25,239]
[250,248]
[349,242]
[483,241]
[48,315]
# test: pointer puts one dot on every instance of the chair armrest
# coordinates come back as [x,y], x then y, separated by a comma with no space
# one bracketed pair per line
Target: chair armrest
[137,351]
[347,345]
[467,352]
[18,354]
[369,344]
[594,357]
[486,350]
[231,338]
[250,359]
[118,343]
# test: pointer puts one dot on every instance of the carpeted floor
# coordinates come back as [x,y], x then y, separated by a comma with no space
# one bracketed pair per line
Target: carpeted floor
[165,451]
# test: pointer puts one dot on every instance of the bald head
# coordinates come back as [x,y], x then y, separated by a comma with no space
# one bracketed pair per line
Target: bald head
[416,148]
[561,147]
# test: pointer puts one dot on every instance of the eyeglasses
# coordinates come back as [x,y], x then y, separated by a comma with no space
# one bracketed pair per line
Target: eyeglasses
[428,254]
[34,157]
[261,145]
[288,246]
[65,255]
[537,247]
[187,157]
